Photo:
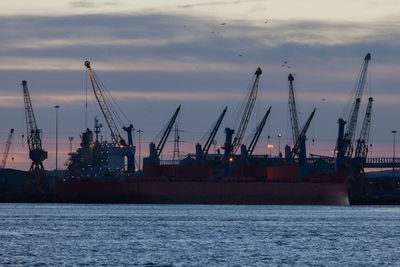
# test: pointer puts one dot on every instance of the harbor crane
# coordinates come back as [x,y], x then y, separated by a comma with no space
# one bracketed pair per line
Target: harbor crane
[251,99]
[257,133]
[299,146]
[298,136]
[344,146]
[155,152]
[362,142]
[111,110]
[36,180]
[203,152]
[6,150]
[292,109]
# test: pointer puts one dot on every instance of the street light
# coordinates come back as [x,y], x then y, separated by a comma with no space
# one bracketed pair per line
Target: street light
[279,143]
[270,146]
[139,131]
[70,143]
[394,153]
[56,107]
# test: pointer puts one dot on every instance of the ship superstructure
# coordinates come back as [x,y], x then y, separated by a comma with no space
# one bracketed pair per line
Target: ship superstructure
[95,158]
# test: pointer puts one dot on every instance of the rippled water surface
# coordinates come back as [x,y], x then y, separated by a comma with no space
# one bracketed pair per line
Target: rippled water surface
[197,235]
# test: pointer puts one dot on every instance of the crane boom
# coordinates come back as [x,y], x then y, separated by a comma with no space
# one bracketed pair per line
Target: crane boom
[353,116]
[297,145]
[247,112]
[292,109]
[258,132]
[105,107]
[167,131]
[214,131]
[6,150]
[362,142]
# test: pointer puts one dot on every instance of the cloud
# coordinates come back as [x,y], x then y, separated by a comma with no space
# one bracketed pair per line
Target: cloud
[46,99]
[82,3]
[215,3]
[90,4]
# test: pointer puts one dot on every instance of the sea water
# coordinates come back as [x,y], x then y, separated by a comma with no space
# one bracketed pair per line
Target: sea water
[198,235]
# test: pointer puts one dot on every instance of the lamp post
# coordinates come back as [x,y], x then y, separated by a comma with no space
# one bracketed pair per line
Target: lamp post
[394,154]
[57,107]
[270,146]
[279,143]
[70,143]
[139,131]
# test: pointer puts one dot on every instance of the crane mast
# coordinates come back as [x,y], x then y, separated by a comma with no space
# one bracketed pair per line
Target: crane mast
[348,138]
[105,107]
[258,132]
[247,111]
[214,131]
[362,142]
[6,150]
[36,153]
[292,109]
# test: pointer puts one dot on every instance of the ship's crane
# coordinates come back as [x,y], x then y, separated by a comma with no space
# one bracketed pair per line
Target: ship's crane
[210,139]
[36,152]
[257,133]
[344,145]
[362,142]
[237,141]
[106,106]
[111,110]
[6,150]
[167,131]
[292,109]
[297,150]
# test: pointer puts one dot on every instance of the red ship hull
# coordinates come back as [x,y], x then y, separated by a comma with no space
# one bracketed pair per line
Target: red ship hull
[316,190]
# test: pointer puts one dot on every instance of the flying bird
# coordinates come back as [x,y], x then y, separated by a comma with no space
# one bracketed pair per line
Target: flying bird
[223,23]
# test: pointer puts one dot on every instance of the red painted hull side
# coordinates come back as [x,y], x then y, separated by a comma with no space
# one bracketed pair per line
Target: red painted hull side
[217,191]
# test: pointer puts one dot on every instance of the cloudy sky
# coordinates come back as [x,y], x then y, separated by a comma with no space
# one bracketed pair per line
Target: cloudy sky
[154,55]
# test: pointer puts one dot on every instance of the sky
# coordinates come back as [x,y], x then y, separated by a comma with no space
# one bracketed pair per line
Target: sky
[155,55]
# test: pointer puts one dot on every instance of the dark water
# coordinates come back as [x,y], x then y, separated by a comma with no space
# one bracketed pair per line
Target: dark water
[195,235]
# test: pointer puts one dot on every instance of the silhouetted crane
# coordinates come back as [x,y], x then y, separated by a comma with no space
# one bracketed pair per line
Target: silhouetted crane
[344,146]
[6,150]
[237,141]
[257,133]
[292,109]
[210,139]
[36,181]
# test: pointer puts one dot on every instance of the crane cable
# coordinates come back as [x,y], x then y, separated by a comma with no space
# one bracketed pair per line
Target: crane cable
[112,104]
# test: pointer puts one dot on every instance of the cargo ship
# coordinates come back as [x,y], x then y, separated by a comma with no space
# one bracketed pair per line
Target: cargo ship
[97,171]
